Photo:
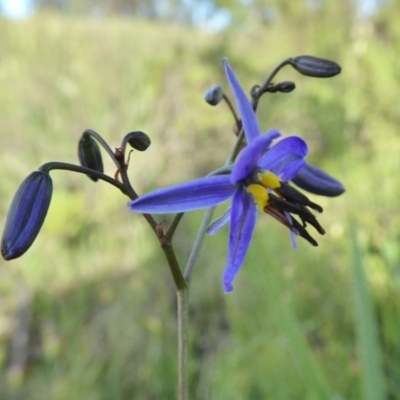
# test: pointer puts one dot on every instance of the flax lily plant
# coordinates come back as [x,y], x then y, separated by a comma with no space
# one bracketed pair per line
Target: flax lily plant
[255,179]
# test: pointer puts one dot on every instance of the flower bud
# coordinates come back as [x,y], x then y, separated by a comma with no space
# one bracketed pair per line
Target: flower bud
[89,155]
[286,87]
[139,140]
[214,95]
[26,214]
[315,67]
[314,180]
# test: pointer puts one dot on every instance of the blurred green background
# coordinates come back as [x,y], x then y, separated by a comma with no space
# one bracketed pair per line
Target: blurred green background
[89,311]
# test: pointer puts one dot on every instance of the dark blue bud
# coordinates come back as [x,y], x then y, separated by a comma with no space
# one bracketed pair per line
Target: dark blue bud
[315,67]
[139,140]
[286,87]
[316,181]
[26,214]
[214,95]
[89,155]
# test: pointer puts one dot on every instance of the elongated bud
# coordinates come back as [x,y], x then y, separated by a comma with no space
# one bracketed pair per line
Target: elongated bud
[282,87]
[26,215]
[89,155]
[315,67]
[214,95]
[286,87]
[316,181]
[139,140]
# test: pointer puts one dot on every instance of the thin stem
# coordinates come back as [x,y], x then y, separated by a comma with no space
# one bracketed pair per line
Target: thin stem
[197,243]
[208,215]
[131,193]
[226,169]
[173,225]
[124,143]
[228,102]
[183,306]
[106,147]
[164,239]
[236,150]
[83,170]
[260,91]
[169,253]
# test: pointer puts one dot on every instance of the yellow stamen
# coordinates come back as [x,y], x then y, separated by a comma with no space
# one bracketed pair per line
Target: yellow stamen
[269,180]
[260,194]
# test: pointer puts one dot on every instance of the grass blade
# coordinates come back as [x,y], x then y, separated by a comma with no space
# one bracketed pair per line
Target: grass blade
[369,349]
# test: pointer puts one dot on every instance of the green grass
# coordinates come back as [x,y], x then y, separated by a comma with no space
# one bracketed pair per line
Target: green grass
[367,330]
[93,294]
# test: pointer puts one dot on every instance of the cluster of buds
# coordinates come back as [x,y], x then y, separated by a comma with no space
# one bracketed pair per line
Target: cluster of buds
[31,202]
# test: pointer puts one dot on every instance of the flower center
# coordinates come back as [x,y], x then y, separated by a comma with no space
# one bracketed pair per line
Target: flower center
[259,193]
[259,183]
[269,180]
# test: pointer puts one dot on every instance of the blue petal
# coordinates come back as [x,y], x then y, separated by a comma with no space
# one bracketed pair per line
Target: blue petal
[249,119]
[316,181]
[219,223]
[249,157]
[188,196]
[286,158]
[243,221]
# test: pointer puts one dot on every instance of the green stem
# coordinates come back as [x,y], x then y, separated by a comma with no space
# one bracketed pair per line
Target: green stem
[183,306]
[173,225]
[197,243]
[236,150]
[169,253]
[209,214]
[133,195]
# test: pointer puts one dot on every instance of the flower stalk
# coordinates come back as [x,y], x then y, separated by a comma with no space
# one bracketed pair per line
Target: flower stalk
[183,312]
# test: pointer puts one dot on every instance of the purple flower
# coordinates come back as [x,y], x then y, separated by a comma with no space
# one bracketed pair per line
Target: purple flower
[256,181]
